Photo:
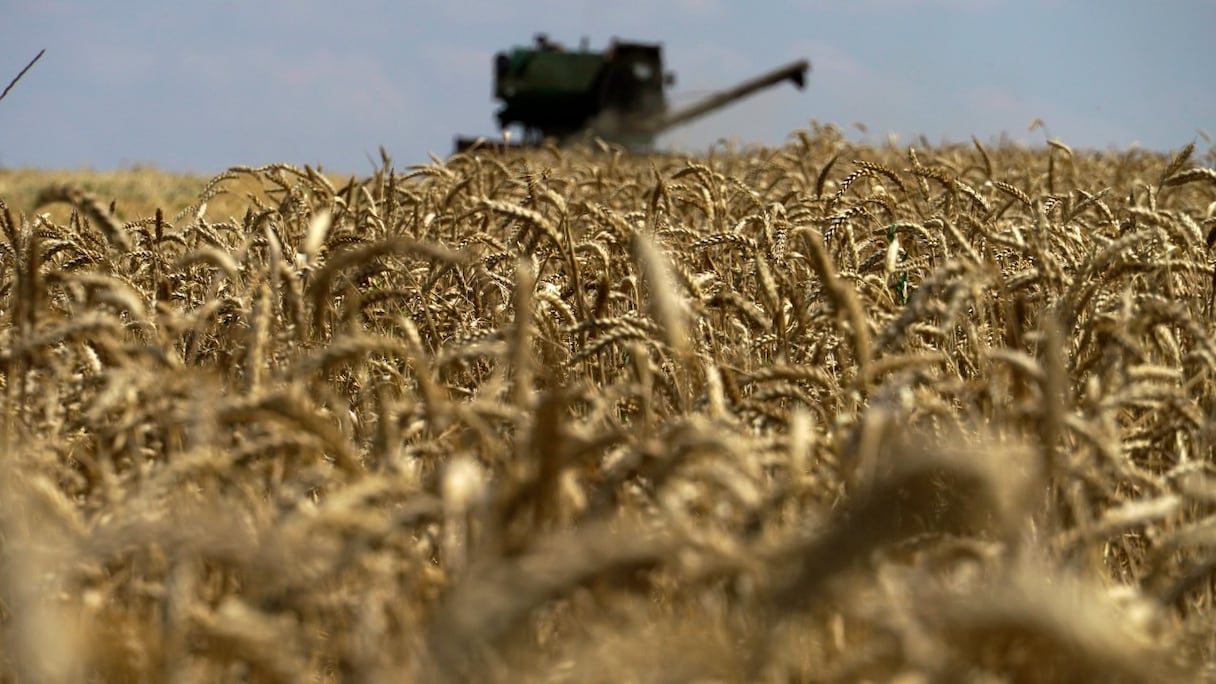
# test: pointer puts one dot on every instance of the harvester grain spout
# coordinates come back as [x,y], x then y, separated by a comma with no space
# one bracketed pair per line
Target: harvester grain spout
[794,72]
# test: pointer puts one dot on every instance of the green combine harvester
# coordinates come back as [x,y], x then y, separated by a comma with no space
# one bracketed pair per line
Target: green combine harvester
[618,95]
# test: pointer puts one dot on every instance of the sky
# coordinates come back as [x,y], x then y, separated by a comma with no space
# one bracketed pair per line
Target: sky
[204,85]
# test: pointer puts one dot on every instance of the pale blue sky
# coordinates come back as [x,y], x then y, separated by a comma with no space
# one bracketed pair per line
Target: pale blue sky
[203,85]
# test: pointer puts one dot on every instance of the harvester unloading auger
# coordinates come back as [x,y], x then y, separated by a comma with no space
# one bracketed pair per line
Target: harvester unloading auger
[618,95]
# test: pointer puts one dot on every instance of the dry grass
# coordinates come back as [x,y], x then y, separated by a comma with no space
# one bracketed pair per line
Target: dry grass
[821,413]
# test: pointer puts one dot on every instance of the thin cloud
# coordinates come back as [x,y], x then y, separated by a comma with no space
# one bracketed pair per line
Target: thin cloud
[700,8]
[900,6]
[456,62]
[1013,113]
[120,65]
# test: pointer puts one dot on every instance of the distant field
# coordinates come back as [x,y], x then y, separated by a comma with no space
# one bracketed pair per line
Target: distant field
[135,192]
[821,413]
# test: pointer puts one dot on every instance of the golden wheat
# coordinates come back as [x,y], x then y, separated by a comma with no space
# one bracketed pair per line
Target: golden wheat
[576,415]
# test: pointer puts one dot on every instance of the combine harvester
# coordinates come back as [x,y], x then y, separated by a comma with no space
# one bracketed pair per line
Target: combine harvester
[618,95]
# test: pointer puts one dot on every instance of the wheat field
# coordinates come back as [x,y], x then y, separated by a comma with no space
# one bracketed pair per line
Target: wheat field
[817,413]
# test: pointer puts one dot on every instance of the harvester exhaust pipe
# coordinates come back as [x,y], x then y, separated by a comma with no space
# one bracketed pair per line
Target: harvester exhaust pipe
[794,72]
